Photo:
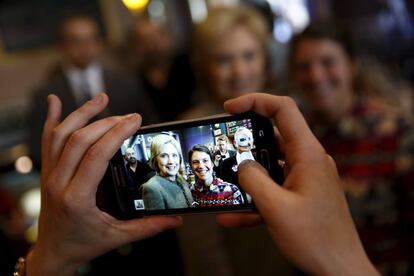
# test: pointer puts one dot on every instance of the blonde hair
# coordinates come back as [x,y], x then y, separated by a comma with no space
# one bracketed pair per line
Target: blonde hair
[223,138]
[156,145]
[219,22]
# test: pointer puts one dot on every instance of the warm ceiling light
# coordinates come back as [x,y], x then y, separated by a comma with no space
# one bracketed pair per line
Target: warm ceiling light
[135,5]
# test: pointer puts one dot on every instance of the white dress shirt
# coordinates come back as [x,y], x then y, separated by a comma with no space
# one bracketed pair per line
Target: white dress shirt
[244,156]
[85,83]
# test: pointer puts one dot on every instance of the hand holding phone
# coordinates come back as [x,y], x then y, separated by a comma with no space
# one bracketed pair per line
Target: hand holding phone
[307,217]
[75,154]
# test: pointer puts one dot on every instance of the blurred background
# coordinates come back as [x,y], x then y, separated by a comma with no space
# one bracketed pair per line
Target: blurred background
[146,49]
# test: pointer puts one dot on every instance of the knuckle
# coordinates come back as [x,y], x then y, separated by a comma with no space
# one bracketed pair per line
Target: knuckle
[57,134]
[86,111]
[289,101]
[113,120]
[86,108]
[76,138]
[48,187]
[94,153]
[68,202]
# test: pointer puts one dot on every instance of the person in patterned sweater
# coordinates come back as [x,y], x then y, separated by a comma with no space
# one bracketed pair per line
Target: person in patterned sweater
[208,189]
[371,141]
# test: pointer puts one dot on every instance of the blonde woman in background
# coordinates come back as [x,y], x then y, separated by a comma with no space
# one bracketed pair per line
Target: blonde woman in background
[230,57]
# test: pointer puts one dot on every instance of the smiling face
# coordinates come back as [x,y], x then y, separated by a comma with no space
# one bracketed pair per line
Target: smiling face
[236,64]
[202,167]
[324,73]
[168,161]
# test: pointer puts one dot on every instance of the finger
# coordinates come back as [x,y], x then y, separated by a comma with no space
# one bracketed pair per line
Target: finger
[96,159]
[138,229]
[239,220]
[73,122]
[52,120]
[280,141]
[288,119]
[267,195]
[78,143]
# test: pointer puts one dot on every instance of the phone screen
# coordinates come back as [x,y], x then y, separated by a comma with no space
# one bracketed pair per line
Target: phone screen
[193,166]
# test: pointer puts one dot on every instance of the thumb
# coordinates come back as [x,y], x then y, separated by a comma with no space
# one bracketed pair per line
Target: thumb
[268,196]
[138,229]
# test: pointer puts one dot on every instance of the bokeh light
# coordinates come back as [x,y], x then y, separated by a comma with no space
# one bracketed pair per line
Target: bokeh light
[23,164]
[135,5]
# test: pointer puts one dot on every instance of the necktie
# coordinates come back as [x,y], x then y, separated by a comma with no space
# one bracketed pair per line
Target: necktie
[84,89]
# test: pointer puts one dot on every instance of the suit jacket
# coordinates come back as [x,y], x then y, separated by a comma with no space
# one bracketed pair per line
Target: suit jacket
[124,94]
[228,172]
[159,194]
[142,174]
[177,95]
[217,168]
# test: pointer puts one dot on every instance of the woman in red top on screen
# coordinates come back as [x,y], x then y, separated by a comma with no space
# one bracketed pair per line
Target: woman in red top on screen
[209,190]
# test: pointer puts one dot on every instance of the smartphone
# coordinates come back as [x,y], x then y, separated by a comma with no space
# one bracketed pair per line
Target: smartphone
[188,167]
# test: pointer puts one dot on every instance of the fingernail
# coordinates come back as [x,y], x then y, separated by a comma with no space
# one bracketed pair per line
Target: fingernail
[97,99]
[246,163]
[131,116]
[250,163]
[49,100]
[48,105]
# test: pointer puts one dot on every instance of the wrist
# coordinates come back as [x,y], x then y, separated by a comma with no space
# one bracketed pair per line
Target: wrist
[43,262]
[353,263]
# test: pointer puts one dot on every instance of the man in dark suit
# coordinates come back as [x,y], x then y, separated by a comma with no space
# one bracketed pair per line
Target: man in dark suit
[138,172]
[222,153]
[80,76]
[166,75]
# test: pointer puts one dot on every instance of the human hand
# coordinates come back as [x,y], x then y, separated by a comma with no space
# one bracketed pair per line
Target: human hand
[307,217]
[75,155]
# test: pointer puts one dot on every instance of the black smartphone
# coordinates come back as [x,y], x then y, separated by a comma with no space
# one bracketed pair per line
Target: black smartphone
[189,167]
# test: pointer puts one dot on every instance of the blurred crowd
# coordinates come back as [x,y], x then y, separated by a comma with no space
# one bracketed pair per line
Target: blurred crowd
[360,112]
